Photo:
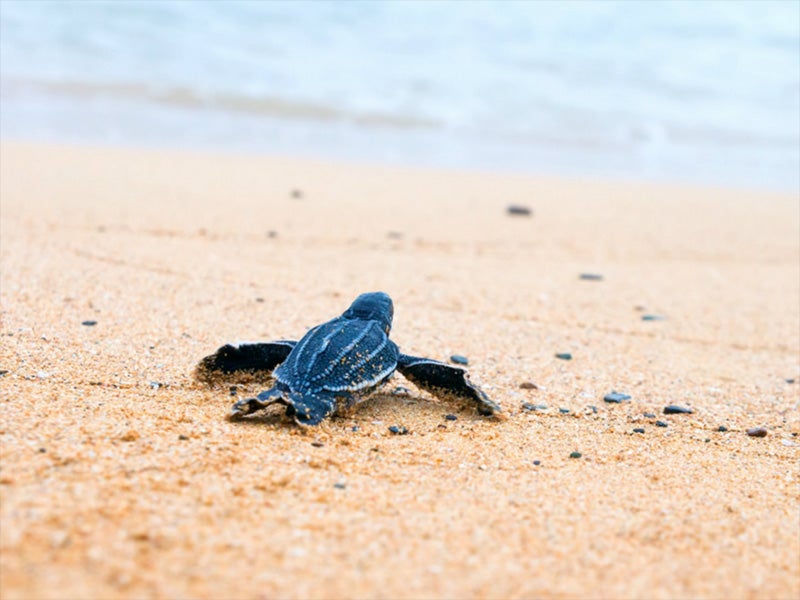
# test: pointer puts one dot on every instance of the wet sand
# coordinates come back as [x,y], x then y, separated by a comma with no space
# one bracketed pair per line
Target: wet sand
[120,477]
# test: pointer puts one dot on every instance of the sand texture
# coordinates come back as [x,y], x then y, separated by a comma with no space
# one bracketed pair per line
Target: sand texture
[120,477]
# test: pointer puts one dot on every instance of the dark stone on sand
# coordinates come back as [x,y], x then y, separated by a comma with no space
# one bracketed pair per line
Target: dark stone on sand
[591,277]
[517,210]
[563,411]
[757,432]
[398,430]
[616,397]
[450,417]
[790,380]
[459,359]
[564,355]
[296,194]
[42,450]
[722,429]
[528,385]
[183,437]
[592,408]
[339,485]
[661,424]
[259,300]
[537,463]
[394,235]
[317,444]
[649,415]
[674,409]
[652,318]
[529,406]
[3,372]
[89,323]
[638,430]
[233,390]
[272,234]
[575,454]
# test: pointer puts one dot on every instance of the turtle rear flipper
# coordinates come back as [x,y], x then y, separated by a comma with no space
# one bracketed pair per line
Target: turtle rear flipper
[244,407]
[258,359]
[308,409]
[305,409]
[445,380]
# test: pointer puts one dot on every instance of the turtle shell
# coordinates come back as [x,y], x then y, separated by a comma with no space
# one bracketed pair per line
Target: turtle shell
[342,355]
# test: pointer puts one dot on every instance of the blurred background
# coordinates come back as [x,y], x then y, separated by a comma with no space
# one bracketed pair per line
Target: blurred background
[704,92]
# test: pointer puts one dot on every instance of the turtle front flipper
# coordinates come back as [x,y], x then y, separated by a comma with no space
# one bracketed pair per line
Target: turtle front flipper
[258,359]
[445,380]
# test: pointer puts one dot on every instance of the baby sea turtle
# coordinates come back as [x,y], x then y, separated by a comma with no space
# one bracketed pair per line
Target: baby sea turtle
[336,365]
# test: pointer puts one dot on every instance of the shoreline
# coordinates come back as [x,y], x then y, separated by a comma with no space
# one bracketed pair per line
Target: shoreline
[120,476]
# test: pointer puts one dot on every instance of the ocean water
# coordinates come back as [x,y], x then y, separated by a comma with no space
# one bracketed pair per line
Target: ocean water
[703,92]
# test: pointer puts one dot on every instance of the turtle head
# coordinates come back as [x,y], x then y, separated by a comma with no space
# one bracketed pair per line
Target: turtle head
[373,306]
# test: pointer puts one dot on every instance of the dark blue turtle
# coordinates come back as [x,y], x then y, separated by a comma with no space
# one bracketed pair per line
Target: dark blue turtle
[336,365]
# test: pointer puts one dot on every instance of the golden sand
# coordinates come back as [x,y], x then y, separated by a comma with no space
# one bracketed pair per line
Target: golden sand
[121,478]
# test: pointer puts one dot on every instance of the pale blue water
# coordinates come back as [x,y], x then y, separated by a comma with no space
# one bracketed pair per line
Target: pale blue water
[700,92]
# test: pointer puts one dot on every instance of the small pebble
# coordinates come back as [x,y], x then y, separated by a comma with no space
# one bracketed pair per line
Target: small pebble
[233,391]
[564,356]
[401,390]
[674,409]
[616,397]
[317,444]
[398,430]
[529,406]
[575,455]
[661,424]
[722,428]
[592,408]
[757,432]
[394,235]
[638,430]
[563,411]
[355,428]
[652,318]
[259,300]
[339,485]
[89,323]
[183,438]
[155,385]
[296,194]
[537,462]
[450,417]
[591,277]
[3,372]
[649,415]
[272,234]
[42,450]
[528,385]
[459,360]
[790,380]
[518,210]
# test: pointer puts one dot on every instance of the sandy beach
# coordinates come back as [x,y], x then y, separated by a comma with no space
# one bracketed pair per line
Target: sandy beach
[120,476]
